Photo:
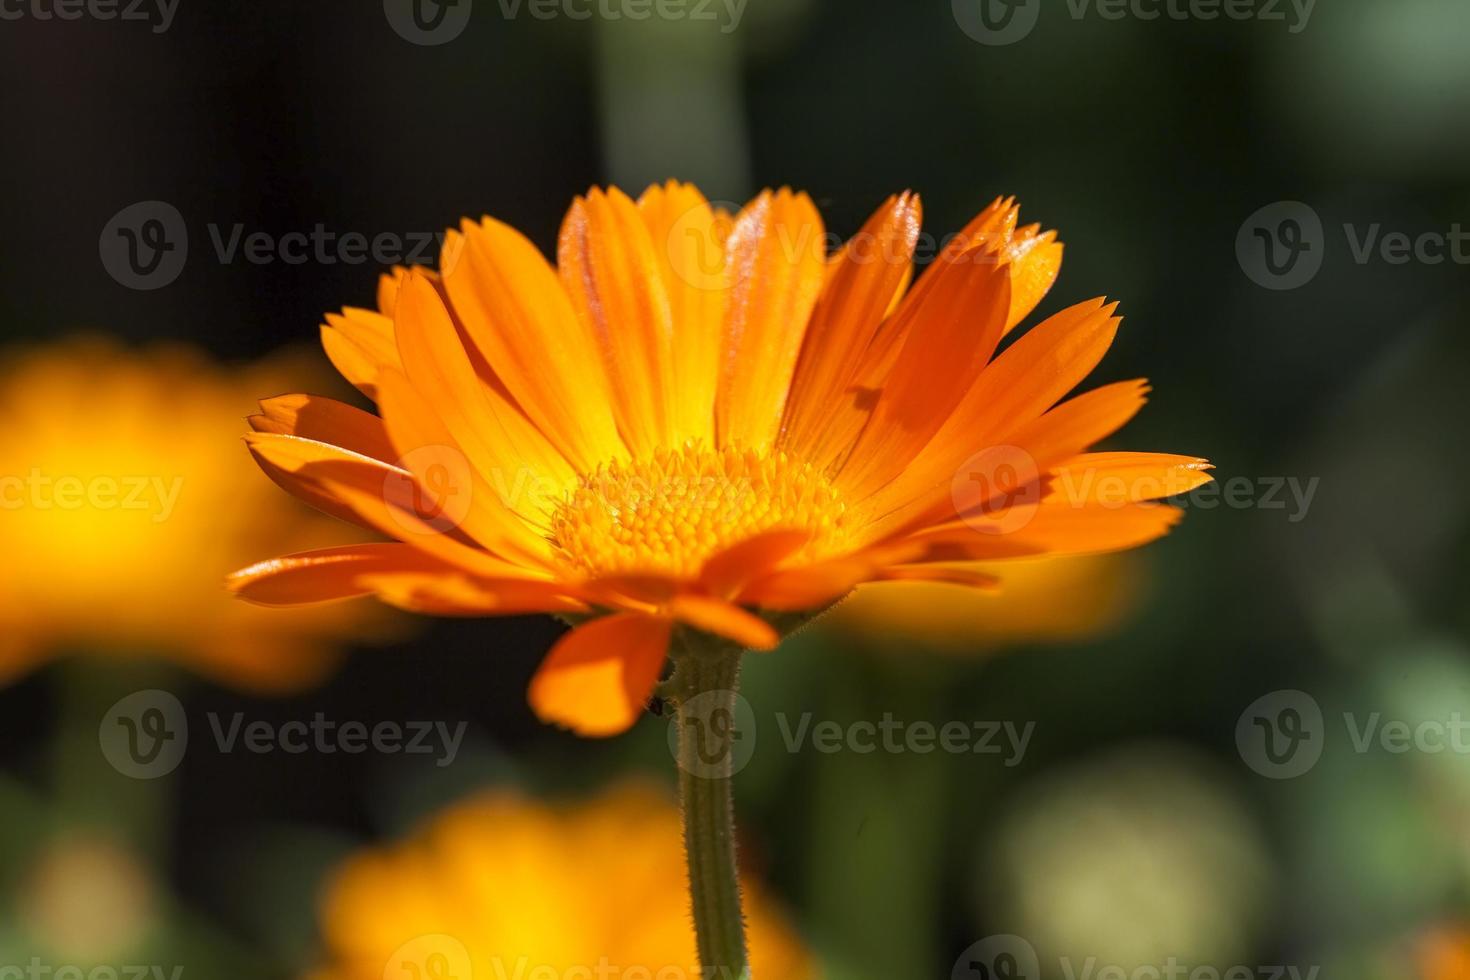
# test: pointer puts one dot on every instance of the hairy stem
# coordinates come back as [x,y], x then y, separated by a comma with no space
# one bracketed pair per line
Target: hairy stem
[704,686]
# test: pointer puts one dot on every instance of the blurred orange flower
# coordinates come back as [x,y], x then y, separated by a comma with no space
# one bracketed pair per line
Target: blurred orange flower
[1042,600]
[125,495]
[1444,954]
[499,886]
[703,420]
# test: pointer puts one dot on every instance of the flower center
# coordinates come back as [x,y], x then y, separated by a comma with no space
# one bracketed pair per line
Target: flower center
[670,513]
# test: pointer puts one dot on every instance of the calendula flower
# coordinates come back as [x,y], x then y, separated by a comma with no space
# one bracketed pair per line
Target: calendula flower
[500,886]
[704,420]
[124,502]
[1100,592]
[701,427]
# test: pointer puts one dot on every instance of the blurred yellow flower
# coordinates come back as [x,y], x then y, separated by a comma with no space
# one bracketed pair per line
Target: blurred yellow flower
[125,496]
[499,886]
[1099,591]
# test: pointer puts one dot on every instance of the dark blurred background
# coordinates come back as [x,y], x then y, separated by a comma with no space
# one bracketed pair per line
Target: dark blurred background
[1137,825]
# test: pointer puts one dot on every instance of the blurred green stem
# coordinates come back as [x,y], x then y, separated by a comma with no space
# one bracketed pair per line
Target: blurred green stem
[704,683]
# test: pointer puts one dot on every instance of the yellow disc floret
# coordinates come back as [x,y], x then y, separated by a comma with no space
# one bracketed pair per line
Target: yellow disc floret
[668,514]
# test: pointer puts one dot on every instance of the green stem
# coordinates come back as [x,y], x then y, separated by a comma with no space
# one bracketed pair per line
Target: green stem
[704,687]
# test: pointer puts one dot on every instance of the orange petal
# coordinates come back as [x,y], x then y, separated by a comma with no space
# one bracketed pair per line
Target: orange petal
[325,575]
[284,457]
[1080,422]
[776,271]
[1032,374]
[499,440]
[608,265]
[325,420]
[724,619]
[1034,258]
[599,676]
[949,334]
[389,283]
[360,345]
[1034,262]
[451,492]
[517,314]
[1017,387]
[690,245]
[457,595]
[726,573]
[866,279]
[384,498]
[1115,479]
[812,587]
[966,576]
[1034,447]
[1054,528]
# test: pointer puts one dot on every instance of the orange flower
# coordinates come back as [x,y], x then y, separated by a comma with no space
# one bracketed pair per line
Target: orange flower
[703,420]
[503,887]
[125,498]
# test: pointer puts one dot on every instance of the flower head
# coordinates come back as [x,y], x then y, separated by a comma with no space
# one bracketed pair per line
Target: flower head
[123,499]
[704,419]
[502,886]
